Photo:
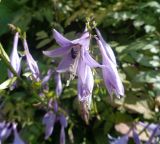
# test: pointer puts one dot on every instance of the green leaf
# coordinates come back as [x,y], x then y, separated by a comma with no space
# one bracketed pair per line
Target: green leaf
[7,83]
[43,43]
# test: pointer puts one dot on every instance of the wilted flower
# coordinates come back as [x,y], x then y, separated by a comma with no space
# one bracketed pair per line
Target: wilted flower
[32,64]
[110,73]
[17,139]
[49,121]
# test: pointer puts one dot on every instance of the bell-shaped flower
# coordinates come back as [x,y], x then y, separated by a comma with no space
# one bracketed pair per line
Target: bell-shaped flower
[63,123]
[85,88]
[14,57]
[46,79]
[72,52]
[53,104]
[58,81]
[107,48]
[49,121]
[110,72]
[136,137]
[17,139]
[32,64]
[5,130]
[120,140]
[154,134]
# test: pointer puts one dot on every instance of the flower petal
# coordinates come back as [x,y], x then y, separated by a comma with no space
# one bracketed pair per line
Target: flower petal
[136,137]
[65,63]
[85,87]
[32,64]
[121,140]
[110,74]
[49,121]
[14,57]
[90,61]
[17,139]
[60,39]
[62,136]
[63,121]
[107,48]
[56,52]
[58,84]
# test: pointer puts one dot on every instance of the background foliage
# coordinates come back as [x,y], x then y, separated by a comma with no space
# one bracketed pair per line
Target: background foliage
[131,27]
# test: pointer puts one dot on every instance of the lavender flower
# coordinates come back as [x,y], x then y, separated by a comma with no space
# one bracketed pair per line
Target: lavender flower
[5,130]
[32,64]
[63,123]
[136,137]
[110,73]
[46,79]
[72,52]
[120,140]
[58,84]
[17,139]
[49,121]
[14,57]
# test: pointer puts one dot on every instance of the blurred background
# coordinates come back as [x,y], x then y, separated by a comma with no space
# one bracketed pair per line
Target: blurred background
[131,27]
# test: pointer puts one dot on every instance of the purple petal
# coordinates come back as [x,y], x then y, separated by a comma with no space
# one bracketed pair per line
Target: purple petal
[47,77]
[136,137]
[107,48]
[90,61]
[84,41]
[62,136]
[49,121]
[63,121]
[153,135]
[121,140]
[55,106]
[60,39]
[5,131]
[110,74]
[65,63]
[17,139]
[58,84]
[32,64]
[14,57]
[56,52]
[85,87]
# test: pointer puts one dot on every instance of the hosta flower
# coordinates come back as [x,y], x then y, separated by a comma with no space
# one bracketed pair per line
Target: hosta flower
[136,137]
[85,88]
[110,73]
[14,57]
[63,123]
[46,79]
[49,121]
[17,139]
[120,140]
[32,64]
[75,54]
[5,130]
[58,84]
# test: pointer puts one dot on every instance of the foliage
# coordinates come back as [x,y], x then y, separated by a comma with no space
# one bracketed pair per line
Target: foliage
[131,27]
